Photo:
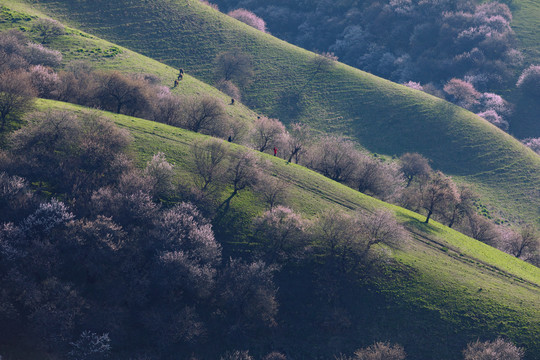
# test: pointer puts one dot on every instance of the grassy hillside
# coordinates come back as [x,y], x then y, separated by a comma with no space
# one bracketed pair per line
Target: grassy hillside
[77,45]
[384,117]
[526,24]
[444,290]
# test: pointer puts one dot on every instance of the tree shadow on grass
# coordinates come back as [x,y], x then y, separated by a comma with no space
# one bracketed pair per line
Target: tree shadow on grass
[417,225]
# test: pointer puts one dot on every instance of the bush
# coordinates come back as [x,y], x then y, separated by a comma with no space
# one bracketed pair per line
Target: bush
[495,119]
[282,234]
[72,154]
[12,54]
[45,81]
[533,143]
[16,95]
[249,18]
[37,54]
[380,351]
[498,349]
[529,81]
[334,157]
[162,174]
[462,93]
[248,295]
[227,87]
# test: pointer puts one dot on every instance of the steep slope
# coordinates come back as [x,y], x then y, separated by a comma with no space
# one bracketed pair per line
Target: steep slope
[103,55]
[384,117]
[445,289]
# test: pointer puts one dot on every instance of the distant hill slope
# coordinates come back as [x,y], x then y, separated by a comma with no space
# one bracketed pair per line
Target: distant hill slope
[446,290]
[385,117]
[526,24]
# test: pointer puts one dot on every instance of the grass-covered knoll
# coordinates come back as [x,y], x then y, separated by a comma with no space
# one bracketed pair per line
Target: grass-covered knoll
[384,117]
[103,55]
[445,290]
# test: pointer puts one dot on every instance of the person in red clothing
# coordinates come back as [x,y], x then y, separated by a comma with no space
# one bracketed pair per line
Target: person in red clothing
[275,151]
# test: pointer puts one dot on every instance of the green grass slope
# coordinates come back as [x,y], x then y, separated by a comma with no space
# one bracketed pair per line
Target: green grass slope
[526,22]
[103,55]
[385,117]
[445,290]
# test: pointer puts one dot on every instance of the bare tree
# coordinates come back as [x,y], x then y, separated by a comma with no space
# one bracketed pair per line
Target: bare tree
[272,190]
[209,162]
[235,66]
[16,95]
[484,230]
[320,63]
[243,172]
[374,177]
[120,93]
[347,240]
[167,109]
[90,346]
[204,114]
[266,133]
[462,207]
[498,349]
[47,29]
[437,194]
[381,227]
[296,141]
[414,165]
[524,244]
[334,157]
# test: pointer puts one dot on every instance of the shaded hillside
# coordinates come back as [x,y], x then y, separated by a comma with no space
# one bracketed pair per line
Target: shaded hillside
[384,117]
[445,289]
[526,23]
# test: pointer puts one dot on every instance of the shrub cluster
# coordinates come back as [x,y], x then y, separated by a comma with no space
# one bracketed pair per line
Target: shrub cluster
[426,41]
[81,271]
[25,72]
